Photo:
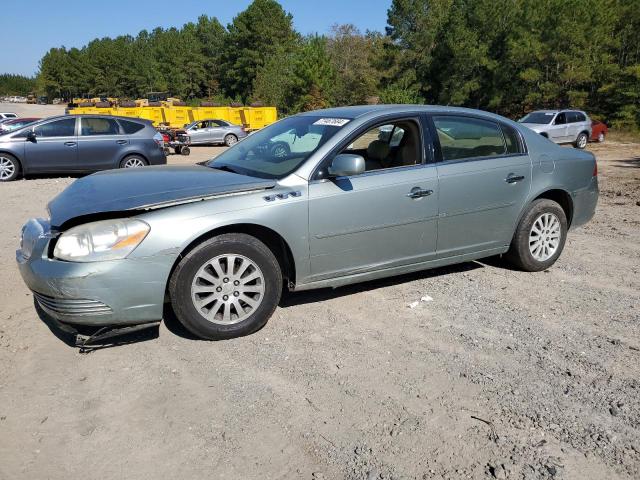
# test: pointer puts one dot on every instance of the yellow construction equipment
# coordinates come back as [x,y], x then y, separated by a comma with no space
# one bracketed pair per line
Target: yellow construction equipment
[175,114]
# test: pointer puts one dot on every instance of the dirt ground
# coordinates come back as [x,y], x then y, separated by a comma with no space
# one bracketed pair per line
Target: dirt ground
[504,374]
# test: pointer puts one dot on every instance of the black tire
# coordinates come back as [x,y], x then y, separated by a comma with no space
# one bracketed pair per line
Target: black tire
[519,253]
[183,276]
[581,141]
[185,151]
[9,167]
[230,140]
[126,161]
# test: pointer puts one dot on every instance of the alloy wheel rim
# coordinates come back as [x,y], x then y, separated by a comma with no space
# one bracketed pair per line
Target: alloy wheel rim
[231,140]
[7,168]
[582,141]
[227,289]
[133,163]
[544,237]
[601,137]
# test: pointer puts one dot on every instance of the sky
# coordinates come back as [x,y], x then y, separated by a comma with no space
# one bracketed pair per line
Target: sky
[30,29]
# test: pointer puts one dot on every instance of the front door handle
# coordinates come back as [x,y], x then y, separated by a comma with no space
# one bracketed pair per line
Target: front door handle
[70,144]
[512,178]
[121,142]
[417,192]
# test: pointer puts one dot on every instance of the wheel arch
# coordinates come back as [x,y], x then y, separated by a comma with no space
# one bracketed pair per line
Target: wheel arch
[561,197]
[272,239]
[132,154]
[18,159]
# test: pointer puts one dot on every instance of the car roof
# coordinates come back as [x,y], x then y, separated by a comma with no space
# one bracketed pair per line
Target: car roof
[360,111]
[98,115]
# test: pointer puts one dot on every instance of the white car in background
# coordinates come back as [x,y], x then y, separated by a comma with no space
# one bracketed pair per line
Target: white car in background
[560,126]
[7,115]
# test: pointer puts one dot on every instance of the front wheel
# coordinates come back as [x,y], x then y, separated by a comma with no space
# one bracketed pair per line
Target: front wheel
[581,141]
[226,287]
[9,167]
[230,140]
[540,236]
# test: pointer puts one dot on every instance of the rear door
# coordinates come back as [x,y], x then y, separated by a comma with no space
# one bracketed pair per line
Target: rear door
[484,178]
[558,129]
[100,143]
[573,126]
[54,148]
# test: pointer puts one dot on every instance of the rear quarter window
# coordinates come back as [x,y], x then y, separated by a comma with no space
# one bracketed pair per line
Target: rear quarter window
[131,127]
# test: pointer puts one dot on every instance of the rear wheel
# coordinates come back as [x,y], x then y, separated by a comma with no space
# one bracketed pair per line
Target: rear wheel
[540,236]
[133,161]
[185,151]
[230,140]
[9,167]
[581,141]
[226,287]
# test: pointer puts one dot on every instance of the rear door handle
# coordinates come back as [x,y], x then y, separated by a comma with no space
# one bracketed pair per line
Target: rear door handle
[70,144]
[417,192]
[121,142]
[511,178]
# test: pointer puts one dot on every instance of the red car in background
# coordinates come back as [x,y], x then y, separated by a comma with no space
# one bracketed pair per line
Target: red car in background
[598,131]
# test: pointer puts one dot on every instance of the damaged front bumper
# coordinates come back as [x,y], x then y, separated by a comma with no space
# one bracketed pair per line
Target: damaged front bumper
[117,292]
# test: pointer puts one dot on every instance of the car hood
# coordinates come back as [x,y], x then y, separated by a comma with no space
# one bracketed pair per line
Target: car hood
[146,188]
[536,127]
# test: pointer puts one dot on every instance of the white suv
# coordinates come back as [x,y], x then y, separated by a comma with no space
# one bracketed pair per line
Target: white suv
[560,126]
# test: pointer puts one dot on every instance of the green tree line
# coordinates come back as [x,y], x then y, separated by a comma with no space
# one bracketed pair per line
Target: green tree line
[16,84]
[508,57]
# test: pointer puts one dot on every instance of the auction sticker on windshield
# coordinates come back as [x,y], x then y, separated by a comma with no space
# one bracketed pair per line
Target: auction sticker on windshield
[335,122]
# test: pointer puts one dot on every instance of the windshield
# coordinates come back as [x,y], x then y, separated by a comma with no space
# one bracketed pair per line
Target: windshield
[279,149]
[538,117]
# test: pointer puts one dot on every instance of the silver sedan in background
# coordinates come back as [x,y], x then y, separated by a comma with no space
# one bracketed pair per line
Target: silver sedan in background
[215,131]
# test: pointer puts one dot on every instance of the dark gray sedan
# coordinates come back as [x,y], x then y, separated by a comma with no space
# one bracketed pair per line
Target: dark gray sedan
[79,143]
[360,193]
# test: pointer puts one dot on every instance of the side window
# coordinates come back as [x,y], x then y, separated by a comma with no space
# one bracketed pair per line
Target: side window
[59,128]
[99,126]
[572,117]
[561,119]
[464,137]
[131,127]
[580,117]
[512,140]
[391,145]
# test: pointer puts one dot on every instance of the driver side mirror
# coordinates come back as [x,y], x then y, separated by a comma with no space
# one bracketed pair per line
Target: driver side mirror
[31,136]
[346,165]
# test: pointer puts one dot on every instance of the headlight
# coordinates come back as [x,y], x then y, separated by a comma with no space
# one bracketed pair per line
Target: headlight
[98,241]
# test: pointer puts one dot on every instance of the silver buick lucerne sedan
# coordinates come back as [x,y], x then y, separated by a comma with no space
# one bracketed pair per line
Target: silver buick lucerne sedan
[361,193]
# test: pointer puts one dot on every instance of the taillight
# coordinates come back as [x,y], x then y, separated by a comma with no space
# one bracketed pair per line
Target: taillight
[595,169]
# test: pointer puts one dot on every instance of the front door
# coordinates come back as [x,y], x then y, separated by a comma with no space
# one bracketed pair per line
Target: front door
[100,143]
[484,178]
[382,218]
[54,148]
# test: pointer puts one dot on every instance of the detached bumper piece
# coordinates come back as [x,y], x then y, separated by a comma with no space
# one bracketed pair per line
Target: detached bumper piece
[104,337]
